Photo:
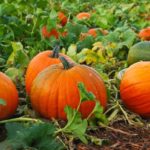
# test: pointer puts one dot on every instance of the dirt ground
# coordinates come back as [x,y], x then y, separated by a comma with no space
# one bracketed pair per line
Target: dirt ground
[124,137]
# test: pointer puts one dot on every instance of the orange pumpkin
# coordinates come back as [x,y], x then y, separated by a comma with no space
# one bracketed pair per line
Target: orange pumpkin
[83,15]
[46,34]
[9,94]
[62,18]
[144,34]
[135,88]
[56,87]
[40,62]
[92,32]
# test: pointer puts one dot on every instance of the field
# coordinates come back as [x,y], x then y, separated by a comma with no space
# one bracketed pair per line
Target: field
[100,40]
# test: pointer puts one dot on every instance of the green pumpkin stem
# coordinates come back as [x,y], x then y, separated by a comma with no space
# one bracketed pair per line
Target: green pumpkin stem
[65,63]
[55,53]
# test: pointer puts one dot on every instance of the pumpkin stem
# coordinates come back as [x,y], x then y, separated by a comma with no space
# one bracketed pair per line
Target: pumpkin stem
[55,53]
[65,63]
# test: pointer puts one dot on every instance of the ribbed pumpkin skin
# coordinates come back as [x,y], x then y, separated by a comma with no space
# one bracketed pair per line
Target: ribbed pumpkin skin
[37,64]
[135,88]
[54,88]
[9,93]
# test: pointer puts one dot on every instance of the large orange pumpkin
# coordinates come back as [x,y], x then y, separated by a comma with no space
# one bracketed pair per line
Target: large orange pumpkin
[40,62]
[135,88]
[9,94]
[56,87]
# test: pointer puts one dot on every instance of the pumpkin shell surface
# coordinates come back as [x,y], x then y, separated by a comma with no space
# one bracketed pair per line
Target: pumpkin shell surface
[135,88]
[37,64]
[144,34]
[54,88]
[83,15]
[8,92]
[138,52]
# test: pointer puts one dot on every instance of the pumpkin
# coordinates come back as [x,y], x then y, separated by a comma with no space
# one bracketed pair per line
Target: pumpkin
[135,88]
[62,18]
[138,52]
[40,62]
[83,15]
[9,94]
[144,34]
[46,34]
[56,87]
[93,32]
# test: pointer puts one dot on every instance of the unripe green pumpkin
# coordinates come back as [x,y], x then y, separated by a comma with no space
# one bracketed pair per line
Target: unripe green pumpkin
[139,52]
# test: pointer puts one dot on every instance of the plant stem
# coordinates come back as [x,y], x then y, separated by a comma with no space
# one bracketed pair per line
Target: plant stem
[117,130]
[20,119]
[65,63]
[125,114]
[63,129]
[55,53]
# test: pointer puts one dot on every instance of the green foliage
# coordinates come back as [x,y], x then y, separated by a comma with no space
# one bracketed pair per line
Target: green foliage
[27,136]
[75,125]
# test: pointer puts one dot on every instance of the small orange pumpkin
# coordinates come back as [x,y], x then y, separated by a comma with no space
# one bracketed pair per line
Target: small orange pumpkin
[40,62]
[135,88]
[83,15]
[56,87]
[144,34]
[9,94]
[62,18]
[92,32]
[46,34]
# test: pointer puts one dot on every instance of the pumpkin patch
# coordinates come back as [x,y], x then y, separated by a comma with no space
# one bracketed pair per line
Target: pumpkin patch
[75,75]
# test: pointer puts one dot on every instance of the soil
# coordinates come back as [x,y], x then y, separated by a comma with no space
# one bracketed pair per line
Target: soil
[121,136]
[124,137]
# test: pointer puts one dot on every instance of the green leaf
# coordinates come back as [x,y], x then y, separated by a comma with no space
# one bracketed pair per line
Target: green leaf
[84,94]
[86,43]
[75,124]
[7,9]
[18,57]
[35,136]
[53,14]
[76,29]
[13,73]
[2,102]
[98,114]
